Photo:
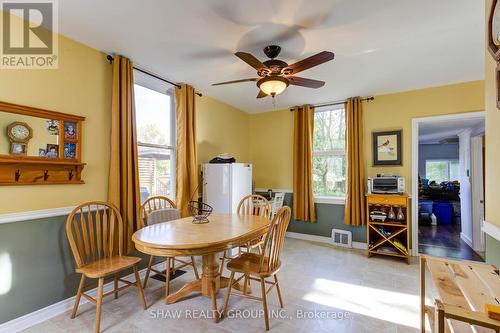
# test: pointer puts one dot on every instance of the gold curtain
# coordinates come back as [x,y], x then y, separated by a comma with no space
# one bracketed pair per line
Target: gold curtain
[187,165]
[123,184]
[354,213]
[303,198]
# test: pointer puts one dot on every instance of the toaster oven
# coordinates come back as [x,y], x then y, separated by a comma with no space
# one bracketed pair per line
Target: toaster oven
[386,185]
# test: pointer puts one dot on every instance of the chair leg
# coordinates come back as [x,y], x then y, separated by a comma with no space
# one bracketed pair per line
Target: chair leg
[222,263]
[245,284]
[139,287]
[278,289]
[98,305]
[115,282]
[148,271]
[226,298]
[195,268]
[167,279]
[264,302]
[172,269]
[213,298]
[78,296]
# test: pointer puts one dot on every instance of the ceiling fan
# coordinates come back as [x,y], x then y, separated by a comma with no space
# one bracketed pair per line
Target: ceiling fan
[275,75]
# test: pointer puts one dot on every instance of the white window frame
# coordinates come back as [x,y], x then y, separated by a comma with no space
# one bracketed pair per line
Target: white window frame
[150,82]
[447,161]
[326,199]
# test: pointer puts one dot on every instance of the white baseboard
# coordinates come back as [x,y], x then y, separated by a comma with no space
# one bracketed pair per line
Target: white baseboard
[492,229]
[466,239]
[38,316]
[322,239]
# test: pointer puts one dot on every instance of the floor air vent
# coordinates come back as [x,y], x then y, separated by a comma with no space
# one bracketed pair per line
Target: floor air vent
[342,238]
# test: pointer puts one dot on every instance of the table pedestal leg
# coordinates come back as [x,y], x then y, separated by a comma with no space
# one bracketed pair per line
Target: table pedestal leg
[210,278]
[209,284]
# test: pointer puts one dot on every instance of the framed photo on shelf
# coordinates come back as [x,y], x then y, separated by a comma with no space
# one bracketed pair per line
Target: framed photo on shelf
[70,130]
[387,148]
[69,150]
[52,151]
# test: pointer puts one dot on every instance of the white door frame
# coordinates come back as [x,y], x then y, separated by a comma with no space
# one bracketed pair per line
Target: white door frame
[477,178]
[415,124]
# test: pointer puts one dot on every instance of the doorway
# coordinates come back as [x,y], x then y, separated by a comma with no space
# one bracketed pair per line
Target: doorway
[448,186]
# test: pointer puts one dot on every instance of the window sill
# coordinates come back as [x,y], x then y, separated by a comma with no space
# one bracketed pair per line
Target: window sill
[330,200]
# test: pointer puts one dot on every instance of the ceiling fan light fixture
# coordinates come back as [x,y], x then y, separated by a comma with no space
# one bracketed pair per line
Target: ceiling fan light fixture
[273,85]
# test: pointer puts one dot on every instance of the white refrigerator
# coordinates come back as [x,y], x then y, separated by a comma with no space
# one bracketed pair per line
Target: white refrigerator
[224,185]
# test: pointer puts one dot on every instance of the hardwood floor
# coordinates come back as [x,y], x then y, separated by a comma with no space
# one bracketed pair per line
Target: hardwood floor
[444,241]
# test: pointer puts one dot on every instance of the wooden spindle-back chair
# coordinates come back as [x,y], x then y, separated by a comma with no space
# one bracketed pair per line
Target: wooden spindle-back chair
[153,204]
[95,234]
[258,267]
[252,204]
[148,208]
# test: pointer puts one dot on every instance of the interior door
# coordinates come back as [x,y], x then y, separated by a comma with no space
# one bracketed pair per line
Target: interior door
[477,184]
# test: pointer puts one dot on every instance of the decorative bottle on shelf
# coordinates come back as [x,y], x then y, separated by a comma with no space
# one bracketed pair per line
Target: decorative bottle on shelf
[391,216]
[401,215]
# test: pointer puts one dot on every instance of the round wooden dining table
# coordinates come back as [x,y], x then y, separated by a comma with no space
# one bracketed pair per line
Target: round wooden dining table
[181,237]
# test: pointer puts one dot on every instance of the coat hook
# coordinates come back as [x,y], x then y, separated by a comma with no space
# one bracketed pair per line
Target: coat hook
[46,175]
[17,175]
[70,174]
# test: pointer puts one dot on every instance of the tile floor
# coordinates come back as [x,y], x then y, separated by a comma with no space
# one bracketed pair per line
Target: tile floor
[374,295]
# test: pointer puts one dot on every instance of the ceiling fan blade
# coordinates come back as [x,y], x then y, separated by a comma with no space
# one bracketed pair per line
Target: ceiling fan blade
[236,81]
[251,60]
[303,82]
[261,94]
[311,61]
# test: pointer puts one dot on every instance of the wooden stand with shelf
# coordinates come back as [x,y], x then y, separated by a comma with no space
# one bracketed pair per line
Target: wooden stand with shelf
[399,230]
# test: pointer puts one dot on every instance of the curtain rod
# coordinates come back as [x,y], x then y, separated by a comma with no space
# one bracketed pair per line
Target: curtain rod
[368,99]
[110,59]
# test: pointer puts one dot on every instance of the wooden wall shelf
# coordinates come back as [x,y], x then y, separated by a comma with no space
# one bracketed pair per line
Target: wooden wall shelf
[39,171]
[66,168]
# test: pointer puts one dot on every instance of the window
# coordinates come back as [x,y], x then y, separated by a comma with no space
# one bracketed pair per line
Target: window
[155,123]
[329,160]
[442,170]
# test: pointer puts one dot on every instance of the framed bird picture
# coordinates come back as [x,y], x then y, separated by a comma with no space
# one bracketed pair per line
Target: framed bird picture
[387,148]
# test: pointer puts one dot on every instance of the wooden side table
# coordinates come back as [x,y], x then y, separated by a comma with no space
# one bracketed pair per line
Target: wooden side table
[463,288]
[390,237]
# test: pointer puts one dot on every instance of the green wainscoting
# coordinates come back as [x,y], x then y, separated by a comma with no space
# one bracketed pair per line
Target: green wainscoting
[329,216]
[492,251]
[37,255]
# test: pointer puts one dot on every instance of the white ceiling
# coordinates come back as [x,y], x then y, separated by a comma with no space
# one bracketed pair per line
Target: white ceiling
[435,131]
[381,46]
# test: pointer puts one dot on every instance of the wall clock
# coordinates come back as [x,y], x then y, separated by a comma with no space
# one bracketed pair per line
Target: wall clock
[494,30]
[19,134]
[494,41]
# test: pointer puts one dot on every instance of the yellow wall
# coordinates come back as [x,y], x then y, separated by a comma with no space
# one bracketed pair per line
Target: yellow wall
[221,128]
[271,137]
[82,86]
[492,140]
[395,111]
[271,133]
